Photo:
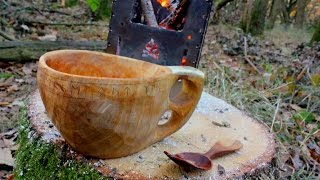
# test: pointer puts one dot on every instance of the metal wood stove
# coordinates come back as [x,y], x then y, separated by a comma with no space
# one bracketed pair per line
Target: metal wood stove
[177,41]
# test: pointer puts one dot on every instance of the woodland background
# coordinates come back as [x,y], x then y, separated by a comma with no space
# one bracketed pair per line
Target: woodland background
[262,56]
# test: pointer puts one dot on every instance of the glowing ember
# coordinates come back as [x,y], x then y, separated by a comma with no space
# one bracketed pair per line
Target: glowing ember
[184,61]
[164,3]
[189,37]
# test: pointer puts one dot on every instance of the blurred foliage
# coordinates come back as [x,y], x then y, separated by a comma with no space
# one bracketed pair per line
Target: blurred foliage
[304,116]
[316,35]
[101,8]
[5,75]
[71,3]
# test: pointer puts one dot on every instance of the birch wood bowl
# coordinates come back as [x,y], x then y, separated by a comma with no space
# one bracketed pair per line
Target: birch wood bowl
[108,106]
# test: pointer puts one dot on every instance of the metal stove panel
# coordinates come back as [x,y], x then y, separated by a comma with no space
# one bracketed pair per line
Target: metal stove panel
[169,47]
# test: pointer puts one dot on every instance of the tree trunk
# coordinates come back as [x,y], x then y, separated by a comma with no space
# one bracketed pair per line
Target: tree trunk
[301,10]
[19,51]
[285,13]
[254,160]
[278,9]
[316,35]
[218,6]
[245,19]
[254,18]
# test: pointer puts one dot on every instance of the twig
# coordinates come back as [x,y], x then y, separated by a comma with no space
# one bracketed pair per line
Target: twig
[6,36]
[4,2]
[41,10]
[281,86]
[246,56]
[51,11]
[23,51]
[222,3]
[223,124]
[222,71]
[275,114]
[58,24]
[60,12]
[149,13]
[301,74]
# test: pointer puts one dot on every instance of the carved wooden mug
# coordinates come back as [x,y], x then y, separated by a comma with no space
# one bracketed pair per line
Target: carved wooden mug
[109,106]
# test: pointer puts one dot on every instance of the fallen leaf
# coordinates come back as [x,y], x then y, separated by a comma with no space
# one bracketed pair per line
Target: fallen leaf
[2,143]
[295,107]
[4,65]
[314,150]
[6,157]
[10,177]
[25,27]
[17,103]
[297,163]
[13,88]
[4,103]
[315,79]
[19,80]
[317,135]
[2,173]
[27,70]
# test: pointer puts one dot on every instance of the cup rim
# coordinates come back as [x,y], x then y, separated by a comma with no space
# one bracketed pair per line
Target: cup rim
[136,80]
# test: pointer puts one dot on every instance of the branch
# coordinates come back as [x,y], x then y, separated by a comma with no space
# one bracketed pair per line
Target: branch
[149,13]
[175,19]
[246,56]
[222,3]
[27,21]
[7,37]
[22,51]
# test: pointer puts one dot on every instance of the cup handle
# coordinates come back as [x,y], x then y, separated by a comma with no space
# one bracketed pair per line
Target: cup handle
[182,102]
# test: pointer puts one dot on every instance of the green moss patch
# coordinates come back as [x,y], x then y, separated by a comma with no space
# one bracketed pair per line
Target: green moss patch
[36,159]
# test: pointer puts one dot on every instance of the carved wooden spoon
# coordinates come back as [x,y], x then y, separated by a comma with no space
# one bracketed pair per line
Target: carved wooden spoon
[203,161]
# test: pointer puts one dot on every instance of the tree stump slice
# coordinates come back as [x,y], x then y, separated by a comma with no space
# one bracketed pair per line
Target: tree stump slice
[198,135]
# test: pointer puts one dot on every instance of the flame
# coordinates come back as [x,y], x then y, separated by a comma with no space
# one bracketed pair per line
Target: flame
[164,3]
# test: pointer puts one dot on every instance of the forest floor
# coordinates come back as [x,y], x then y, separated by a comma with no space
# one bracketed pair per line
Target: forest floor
[275,78]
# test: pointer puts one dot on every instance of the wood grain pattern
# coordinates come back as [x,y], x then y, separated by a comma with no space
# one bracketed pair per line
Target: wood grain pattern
[109,106]
[197,135]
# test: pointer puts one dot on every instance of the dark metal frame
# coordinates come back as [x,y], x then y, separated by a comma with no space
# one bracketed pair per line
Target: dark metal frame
[129,39]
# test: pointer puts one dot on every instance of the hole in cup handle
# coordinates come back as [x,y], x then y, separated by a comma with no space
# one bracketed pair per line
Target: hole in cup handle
[184,100]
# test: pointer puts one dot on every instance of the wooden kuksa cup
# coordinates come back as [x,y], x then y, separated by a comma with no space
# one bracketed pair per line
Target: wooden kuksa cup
[109,106]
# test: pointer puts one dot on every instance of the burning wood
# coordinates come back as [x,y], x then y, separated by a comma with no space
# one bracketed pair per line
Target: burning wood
[169,14]
[177,18]
[164,3]
[149,13]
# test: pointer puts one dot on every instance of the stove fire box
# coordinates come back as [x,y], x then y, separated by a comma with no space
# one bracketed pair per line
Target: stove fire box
[177,41]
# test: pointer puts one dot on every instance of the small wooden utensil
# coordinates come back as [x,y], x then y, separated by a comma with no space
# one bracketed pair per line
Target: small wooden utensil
[203,161]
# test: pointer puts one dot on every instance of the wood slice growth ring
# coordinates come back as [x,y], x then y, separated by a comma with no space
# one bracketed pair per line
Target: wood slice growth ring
[199,134]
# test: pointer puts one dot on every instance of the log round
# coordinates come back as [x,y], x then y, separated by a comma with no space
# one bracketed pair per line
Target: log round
[213,120]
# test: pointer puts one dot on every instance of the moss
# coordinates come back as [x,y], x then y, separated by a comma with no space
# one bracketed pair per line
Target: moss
[36,159]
